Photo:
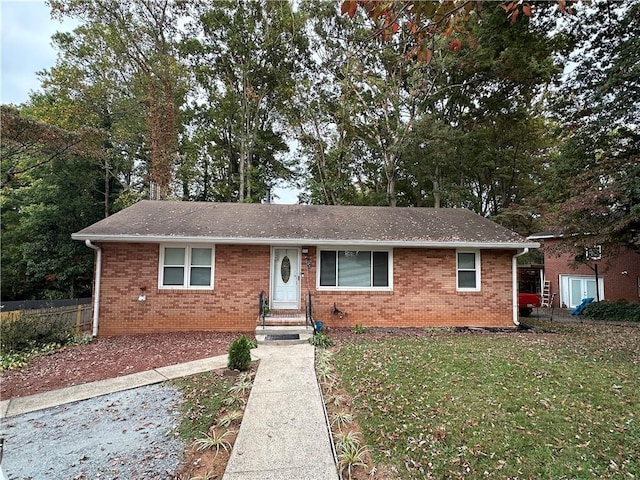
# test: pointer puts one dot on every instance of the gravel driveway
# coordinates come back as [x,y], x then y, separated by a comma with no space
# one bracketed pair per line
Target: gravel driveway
[125,435]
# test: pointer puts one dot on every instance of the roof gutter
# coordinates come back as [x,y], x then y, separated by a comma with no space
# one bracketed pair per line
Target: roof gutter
[96,287]
[302,241]
[514,288]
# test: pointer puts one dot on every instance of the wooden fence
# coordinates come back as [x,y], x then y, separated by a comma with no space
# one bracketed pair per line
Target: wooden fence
[80,315]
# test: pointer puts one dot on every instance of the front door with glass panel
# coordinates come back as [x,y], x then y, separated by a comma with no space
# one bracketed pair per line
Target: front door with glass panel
[573,288]
[285,274]
[580,288]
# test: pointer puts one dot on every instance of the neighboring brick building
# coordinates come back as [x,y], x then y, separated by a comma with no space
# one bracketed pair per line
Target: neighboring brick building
[618,274]
[175,266]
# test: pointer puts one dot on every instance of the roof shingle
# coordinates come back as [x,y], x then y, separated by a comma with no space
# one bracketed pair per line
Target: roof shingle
[157,221]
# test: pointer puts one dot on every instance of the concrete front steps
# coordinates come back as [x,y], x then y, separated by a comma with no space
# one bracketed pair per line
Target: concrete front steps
[283,330]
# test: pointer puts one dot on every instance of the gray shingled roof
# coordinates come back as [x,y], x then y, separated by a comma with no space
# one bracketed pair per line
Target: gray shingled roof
[167,221]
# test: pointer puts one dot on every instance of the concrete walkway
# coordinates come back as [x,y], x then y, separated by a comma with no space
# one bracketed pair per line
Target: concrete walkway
[284,433]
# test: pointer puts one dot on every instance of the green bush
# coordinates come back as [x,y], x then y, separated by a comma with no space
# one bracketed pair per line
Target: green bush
[240,354]
[359,329]
[620,311]
[10,361]
[321,340]
[28,331]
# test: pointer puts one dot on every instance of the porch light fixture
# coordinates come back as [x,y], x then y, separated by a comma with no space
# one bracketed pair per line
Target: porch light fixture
[305,252]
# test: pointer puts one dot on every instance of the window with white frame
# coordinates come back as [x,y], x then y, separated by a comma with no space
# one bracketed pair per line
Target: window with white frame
[468,270]
[186,267]
[355,269]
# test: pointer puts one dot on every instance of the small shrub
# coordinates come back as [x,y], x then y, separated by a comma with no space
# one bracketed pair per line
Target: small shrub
[227,419]
[343,439]
[351,455]
[359,329]
[240,354]
[214,440]
[341,418]
[616,311]
[80,339]
[233,400]
[321,340]
[27,331]
[242,385]
[326,373]
[338,399]
[9,361]
[324,358]
[206,476]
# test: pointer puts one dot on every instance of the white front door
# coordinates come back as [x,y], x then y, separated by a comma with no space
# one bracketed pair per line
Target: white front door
[285,279]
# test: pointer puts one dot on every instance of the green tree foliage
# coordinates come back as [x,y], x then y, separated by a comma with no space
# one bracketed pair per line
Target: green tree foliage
[426,20]
[44,200]
[364,100]
[460,130]
[244,57]
[321,112]
[481,142]
[593,192]
[127,51]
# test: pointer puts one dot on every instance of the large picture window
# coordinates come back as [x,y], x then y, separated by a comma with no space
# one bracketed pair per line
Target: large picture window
[186,267]
[468,271]
[355,269]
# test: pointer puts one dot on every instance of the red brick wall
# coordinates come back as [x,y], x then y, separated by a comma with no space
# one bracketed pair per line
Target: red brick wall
[424,292]
[617,286]
[240,273]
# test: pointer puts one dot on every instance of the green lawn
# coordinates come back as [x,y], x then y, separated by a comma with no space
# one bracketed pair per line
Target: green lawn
[529,405]
[204,396]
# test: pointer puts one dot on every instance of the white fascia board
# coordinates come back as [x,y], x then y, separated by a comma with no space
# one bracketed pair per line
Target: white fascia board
[303,241]
[543,237]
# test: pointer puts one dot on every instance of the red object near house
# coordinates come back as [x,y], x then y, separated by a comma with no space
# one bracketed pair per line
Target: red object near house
[527,302]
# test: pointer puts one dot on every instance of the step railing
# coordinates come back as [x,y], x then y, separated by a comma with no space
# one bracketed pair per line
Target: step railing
[309,311]
[262,303]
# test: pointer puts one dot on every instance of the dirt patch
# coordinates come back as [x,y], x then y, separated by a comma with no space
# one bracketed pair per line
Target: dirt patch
[109,358]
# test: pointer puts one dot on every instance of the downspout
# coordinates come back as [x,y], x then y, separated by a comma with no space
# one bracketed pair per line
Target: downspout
[514,286]
[96,287]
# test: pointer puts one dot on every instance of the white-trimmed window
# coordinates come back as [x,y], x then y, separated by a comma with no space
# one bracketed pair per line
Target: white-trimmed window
[183,266]
[468,270]
[355,269]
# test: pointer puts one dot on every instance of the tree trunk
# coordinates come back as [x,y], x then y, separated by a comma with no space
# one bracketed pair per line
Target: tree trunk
[391,179]
[436,191]
[106,186]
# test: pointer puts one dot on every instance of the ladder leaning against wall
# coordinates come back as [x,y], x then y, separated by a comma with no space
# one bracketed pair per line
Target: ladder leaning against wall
[546,294]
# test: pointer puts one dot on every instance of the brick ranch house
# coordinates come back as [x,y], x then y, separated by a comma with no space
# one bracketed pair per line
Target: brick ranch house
[570,282]
[164,266]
